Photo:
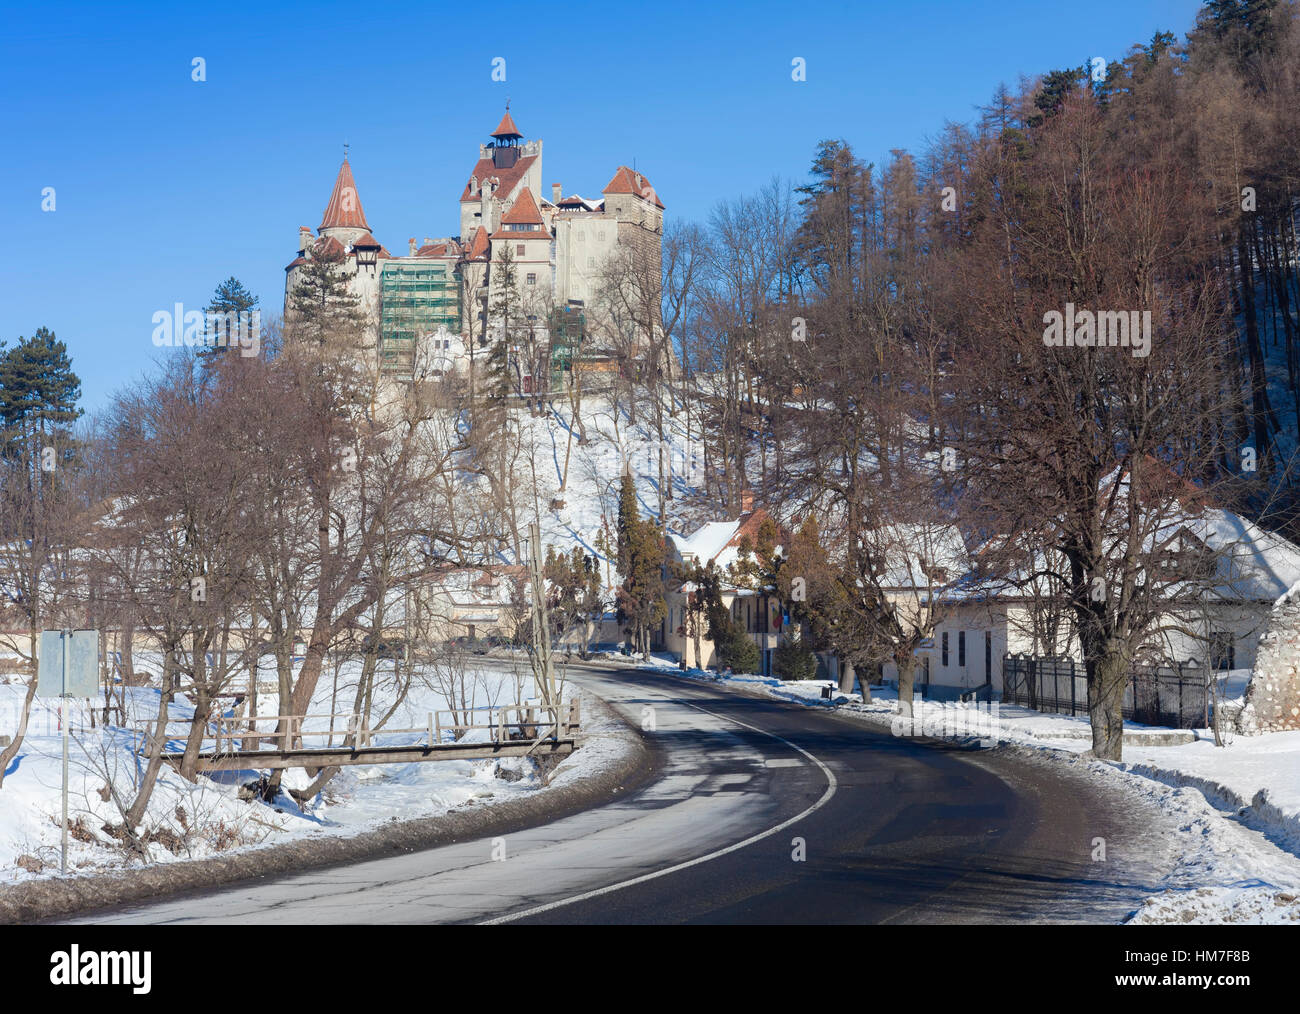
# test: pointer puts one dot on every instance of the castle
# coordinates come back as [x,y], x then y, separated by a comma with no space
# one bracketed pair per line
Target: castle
[439,296]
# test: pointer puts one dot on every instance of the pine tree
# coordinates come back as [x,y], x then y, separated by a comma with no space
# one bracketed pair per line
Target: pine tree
[322,307]
[38,395]
[504,316]
[641,602]
[230,297]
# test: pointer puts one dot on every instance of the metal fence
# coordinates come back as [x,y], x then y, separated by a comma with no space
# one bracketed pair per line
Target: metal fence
[1174,695]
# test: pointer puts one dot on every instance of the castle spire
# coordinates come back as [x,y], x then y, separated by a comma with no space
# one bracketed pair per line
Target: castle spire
[506,130]
[344,208]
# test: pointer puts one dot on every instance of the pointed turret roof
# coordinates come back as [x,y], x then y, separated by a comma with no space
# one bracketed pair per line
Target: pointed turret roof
[524,211]
[506,129]
[344,207]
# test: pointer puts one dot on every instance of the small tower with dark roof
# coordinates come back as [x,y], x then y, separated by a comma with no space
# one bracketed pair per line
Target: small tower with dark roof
[505,142]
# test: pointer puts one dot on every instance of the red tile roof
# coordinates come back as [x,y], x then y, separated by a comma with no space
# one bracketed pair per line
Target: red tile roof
[507,127]
[625,182]
[509,178]
[478,247]
[523,211]
[344,207]
[327,246]
[370,241]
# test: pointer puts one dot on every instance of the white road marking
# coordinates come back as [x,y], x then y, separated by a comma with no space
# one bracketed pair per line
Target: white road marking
[783,762]
[831,785]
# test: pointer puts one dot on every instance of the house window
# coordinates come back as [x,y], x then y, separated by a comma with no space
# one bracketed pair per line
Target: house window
[532,278]
[961,648]
[1222,653]
[944,640]
[519,249]
[601,236]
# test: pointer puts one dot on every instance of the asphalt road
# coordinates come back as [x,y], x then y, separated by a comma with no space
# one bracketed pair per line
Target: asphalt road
[763,812]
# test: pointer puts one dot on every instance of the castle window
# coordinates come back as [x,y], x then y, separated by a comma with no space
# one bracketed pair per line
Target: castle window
[600,236]
[519,249]
[532,278]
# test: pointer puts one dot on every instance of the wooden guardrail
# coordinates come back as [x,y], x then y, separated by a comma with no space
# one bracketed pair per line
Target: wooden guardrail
[515,725]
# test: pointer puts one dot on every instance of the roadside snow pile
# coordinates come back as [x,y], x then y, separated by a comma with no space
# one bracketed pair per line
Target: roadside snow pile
[209,817]
[1206,906]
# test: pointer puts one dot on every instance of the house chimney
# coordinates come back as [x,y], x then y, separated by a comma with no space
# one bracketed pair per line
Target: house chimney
[556,193]
[428,241]
[304,238]
[410,245]
[746,501]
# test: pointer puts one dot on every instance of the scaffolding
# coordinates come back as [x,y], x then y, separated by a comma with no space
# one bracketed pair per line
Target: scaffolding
[415,300]
[568,327]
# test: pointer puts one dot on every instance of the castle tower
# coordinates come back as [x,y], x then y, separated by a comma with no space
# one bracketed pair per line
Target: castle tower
[506,166]
[343,235]
[344,219]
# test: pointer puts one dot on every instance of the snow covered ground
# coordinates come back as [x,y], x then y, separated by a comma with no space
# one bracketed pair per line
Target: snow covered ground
[1236,808]
[195,821]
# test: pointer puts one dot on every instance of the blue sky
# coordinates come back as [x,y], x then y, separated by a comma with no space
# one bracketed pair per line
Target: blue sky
[165,186]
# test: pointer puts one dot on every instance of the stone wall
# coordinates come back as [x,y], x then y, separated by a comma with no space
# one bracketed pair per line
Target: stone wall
[1272,701]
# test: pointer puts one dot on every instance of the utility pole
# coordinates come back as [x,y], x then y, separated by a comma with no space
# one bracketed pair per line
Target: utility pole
[65,638]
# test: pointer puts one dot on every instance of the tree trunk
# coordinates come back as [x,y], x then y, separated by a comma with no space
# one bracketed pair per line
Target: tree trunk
[11,751]
[194,742]
[127,663]
[846,680]
[304,796]
[1105,700]
[906,683]
[141,802]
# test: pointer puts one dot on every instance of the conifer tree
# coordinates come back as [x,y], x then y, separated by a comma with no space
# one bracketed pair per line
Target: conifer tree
[641,601]
[230,297]
[322,308]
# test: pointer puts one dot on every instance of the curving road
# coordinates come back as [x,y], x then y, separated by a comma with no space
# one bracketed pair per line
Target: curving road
[762,812]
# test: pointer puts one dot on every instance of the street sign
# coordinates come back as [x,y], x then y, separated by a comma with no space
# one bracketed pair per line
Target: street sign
[67,666]
[82,669]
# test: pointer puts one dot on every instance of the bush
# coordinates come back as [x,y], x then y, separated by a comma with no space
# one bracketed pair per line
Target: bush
[793,661]
[737,650]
